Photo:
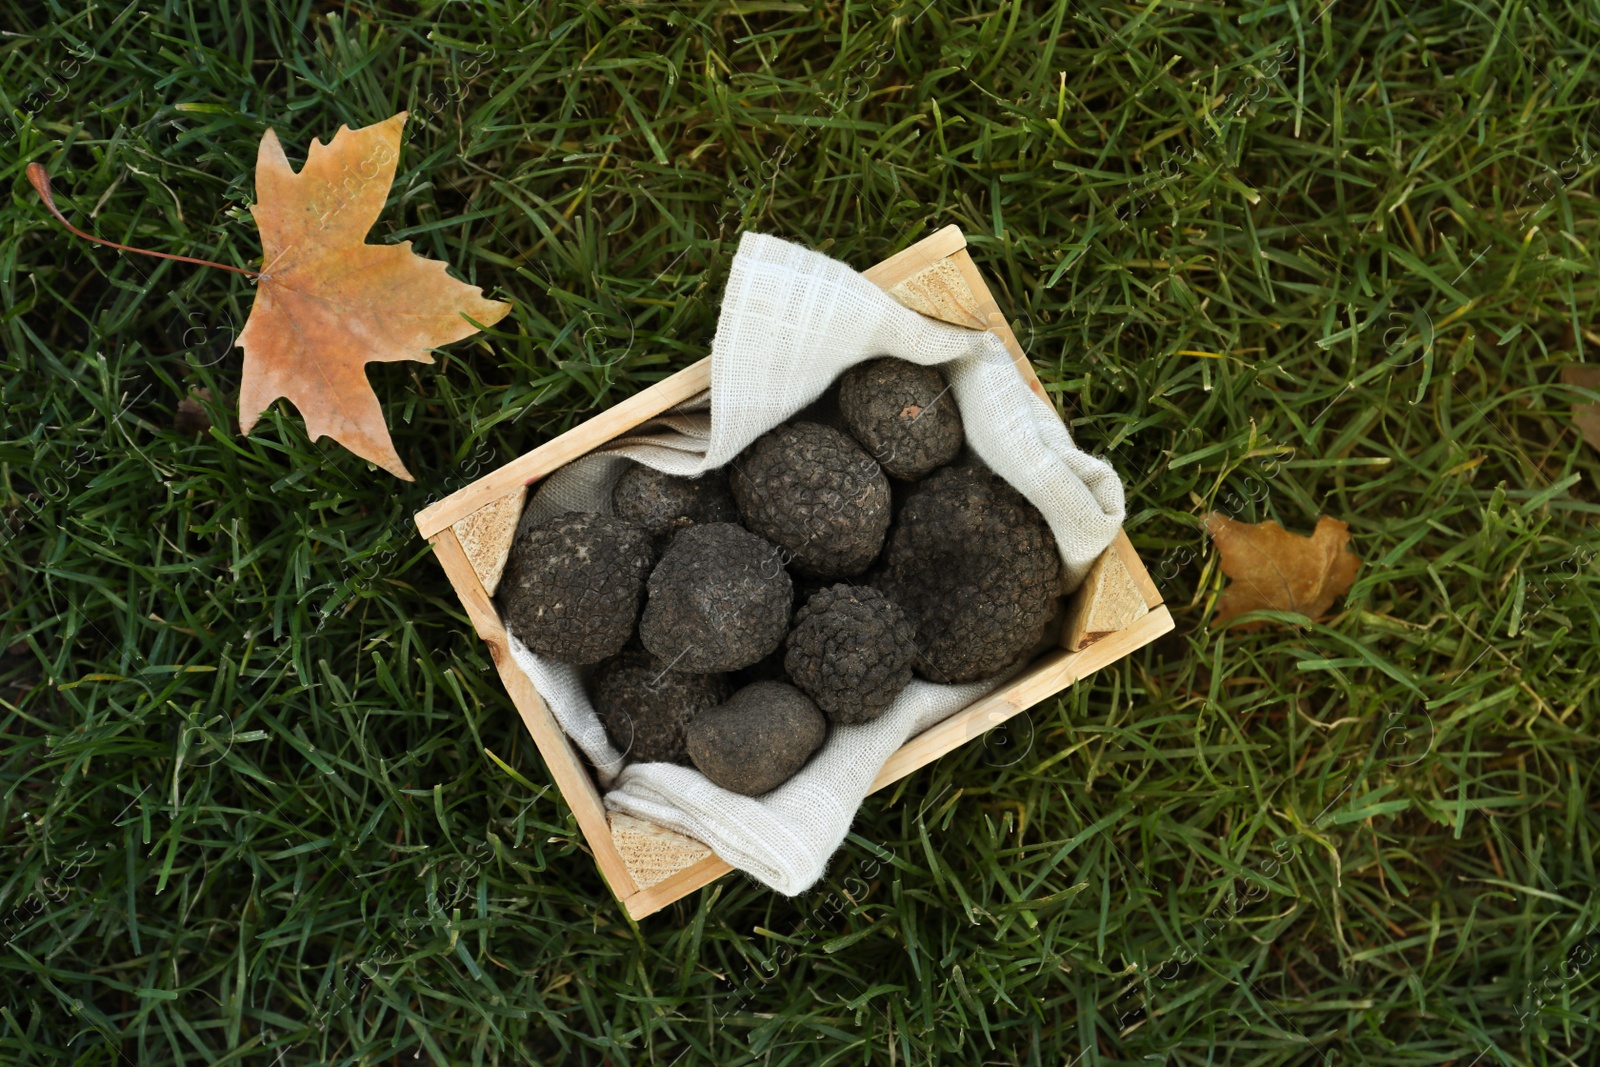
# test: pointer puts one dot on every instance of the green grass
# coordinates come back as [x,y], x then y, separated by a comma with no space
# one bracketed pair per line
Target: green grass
[262,799]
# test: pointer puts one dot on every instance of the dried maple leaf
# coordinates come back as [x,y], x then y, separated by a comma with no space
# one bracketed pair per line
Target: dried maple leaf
[329,304]
[1586,417]
[1276,570]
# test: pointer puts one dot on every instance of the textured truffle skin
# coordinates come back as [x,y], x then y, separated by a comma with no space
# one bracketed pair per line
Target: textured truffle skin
[572,585]
[665,503]
[718,600]
[646,707]
[903,414]
[851,651]
[758,739]
[977,571]
[811,490]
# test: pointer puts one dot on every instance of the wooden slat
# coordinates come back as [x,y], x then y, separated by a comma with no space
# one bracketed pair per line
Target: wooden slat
[566,769]
[578,441]
[926,252]
[480,608]
[1051,674]
[649,901]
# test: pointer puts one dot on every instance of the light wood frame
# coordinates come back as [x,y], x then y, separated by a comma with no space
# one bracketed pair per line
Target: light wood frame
[1115,611]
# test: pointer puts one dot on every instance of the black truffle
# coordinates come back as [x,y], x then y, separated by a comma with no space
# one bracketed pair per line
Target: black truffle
[718,600]
[758,739]
[572,585]
[976,569]
[646,707]
[665,503]
[851,650]
[903,414]
[812,490]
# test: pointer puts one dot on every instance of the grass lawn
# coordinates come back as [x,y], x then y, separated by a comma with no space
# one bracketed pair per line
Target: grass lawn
[263,800]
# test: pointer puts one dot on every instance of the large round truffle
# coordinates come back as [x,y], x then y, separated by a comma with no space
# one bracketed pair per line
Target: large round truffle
[976,569]
[666,503]
[810,489]
[851,650]
[646,707]
[758,739]
[572,585]
[718,600]
[903,414]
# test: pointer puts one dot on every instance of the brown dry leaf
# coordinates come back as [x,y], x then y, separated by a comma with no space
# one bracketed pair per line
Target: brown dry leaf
[328,303]
[1276,570]
[1586,417]
[191,416]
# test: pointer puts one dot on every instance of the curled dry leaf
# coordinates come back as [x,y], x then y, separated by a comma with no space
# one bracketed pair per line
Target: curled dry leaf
[191,415]
[1586,417]
[329,303]
[1275,570]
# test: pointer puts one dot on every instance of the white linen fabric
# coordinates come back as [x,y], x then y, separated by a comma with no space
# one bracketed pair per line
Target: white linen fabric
[792,321]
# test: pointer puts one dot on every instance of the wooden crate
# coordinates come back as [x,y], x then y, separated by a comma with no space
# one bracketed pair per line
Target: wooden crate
[1116,611]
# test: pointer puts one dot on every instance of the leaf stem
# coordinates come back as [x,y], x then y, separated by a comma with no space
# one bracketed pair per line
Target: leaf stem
[39,178]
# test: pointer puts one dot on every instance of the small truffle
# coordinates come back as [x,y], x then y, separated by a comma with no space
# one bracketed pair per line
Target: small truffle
[646,707]
[758,739]
[903,414]
[976,569]
[573,584]
[851,650]
[811,490]
[666,503]
[718,600]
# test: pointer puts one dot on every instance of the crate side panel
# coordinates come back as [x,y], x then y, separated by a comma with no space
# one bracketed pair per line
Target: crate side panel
[1052,673]
[486,536]
[571,777]
[1136,568]
[1108,600]
[557,453]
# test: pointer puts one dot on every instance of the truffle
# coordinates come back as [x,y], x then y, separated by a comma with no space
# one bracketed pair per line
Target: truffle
[572,585]
[976,569]
[646,707]
[758,739]
[811,490]
[666,503]
[903,414]
[851,650]
[718,600]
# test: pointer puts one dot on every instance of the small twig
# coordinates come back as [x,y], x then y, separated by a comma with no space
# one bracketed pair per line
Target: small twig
[39,178]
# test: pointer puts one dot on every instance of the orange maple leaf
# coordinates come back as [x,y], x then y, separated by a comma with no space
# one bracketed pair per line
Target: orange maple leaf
[1276,570]
[329,304]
